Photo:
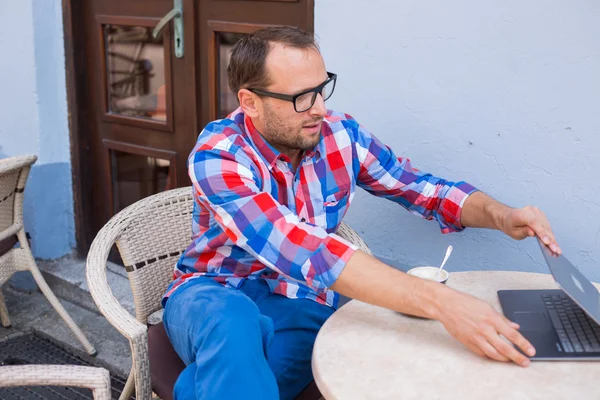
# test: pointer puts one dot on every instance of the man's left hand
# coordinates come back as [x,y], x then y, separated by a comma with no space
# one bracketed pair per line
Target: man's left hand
[519,223]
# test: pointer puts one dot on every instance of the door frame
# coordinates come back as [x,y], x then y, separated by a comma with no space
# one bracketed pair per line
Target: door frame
[81,164]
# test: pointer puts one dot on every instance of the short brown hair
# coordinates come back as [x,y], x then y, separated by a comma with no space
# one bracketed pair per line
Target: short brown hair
[247,64]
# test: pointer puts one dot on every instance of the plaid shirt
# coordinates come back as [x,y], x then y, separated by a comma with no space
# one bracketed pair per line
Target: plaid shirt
[257,218]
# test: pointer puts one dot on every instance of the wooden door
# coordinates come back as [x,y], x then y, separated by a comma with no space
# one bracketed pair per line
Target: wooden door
[136,107]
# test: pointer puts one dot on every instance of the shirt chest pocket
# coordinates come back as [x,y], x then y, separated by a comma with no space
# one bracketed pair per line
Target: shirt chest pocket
[335,198]
[335,207]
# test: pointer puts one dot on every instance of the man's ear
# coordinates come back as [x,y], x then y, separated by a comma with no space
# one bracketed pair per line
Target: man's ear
[249,102]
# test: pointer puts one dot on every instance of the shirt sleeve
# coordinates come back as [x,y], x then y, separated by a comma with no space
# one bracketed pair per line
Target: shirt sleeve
[383,174]
[228,183]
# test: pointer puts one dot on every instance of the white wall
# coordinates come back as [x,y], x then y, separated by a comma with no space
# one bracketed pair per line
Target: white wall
[19,120]
[34,119]
[502,94]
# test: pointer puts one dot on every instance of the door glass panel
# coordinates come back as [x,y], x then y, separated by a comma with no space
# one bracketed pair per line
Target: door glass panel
[135,72]
[135,177]
[227,99]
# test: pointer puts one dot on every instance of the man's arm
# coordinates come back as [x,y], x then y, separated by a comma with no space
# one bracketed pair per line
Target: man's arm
[454,205]
[481,211]
[473,322]
[380,172]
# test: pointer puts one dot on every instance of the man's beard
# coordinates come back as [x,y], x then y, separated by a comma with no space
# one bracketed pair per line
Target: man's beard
[284,137]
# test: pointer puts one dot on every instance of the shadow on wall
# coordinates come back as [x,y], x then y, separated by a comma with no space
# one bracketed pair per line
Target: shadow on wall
[48,210]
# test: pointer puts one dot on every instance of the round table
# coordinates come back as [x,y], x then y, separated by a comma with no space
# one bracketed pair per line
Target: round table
[368,352]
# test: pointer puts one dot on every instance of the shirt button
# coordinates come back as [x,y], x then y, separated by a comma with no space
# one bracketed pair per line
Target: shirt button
[303,220]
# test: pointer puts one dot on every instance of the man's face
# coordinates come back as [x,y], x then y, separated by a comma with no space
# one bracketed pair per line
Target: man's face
[292,71]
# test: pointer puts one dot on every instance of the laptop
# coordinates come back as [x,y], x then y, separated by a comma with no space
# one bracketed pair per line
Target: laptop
[562,324]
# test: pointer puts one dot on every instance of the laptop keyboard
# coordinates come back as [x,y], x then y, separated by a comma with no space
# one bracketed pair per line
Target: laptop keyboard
[576,331]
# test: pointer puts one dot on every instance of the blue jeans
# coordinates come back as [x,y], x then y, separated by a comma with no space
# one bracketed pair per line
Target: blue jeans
[245,343]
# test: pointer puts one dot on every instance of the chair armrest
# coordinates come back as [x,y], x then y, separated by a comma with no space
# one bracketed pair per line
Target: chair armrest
[135,331]
[97,281]
[96,379]
[350,235]
[11,230]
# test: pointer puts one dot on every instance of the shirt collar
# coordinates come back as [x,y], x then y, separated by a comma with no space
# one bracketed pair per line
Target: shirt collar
[270,153]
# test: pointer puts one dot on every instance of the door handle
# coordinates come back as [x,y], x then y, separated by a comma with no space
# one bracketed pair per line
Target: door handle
[176,14]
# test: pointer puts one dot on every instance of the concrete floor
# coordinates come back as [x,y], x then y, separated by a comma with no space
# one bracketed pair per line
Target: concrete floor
[31,310]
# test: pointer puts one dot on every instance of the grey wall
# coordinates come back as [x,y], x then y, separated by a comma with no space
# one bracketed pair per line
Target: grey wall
[33,118]
[502,94]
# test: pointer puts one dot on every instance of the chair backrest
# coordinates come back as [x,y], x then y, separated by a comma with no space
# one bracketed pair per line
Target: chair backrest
[157,230]
[13,175]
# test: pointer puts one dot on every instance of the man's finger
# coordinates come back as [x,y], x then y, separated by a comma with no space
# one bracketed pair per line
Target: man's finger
[541,231]
[491,351]
[549,240]
[514,325]
[542,228]
[520,233]
[507,350]
[515,337]
[475,349]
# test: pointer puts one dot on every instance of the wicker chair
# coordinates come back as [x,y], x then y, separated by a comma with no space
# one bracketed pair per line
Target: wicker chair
[151,234]
[96,379]
[13,175]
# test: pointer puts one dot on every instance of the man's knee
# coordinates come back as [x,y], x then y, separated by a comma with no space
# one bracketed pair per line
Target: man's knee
[184,388]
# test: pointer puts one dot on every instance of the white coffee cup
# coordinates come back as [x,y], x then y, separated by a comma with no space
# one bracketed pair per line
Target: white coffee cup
[429,273]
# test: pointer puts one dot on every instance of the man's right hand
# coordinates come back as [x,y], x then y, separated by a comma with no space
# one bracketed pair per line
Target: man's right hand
[479,327]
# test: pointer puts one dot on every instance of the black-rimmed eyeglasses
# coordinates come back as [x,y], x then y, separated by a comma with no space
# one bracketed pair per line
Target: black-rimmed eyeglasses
[305,100]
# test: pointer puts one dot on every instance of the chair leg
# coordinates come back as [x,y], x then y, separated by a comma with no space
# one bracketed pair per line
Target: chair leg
[29,263]
[4,312]
[129,386]
[37,275]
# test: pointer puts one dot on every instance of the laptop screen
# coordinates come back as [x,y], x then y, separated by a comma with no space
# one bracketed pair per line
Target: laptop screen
[573,283]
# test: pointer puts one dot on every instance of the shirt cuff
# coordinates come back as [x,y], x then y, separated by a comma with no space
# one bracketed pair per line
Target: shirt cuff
[328,264]
[450,209]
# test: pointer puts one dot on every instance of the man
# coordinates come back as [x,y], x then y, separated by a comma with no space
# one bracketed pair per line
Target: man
[272,182]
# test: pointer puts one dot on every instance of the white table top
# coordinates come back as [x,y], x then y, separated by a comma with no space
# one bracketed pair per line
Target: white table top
[368,352]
